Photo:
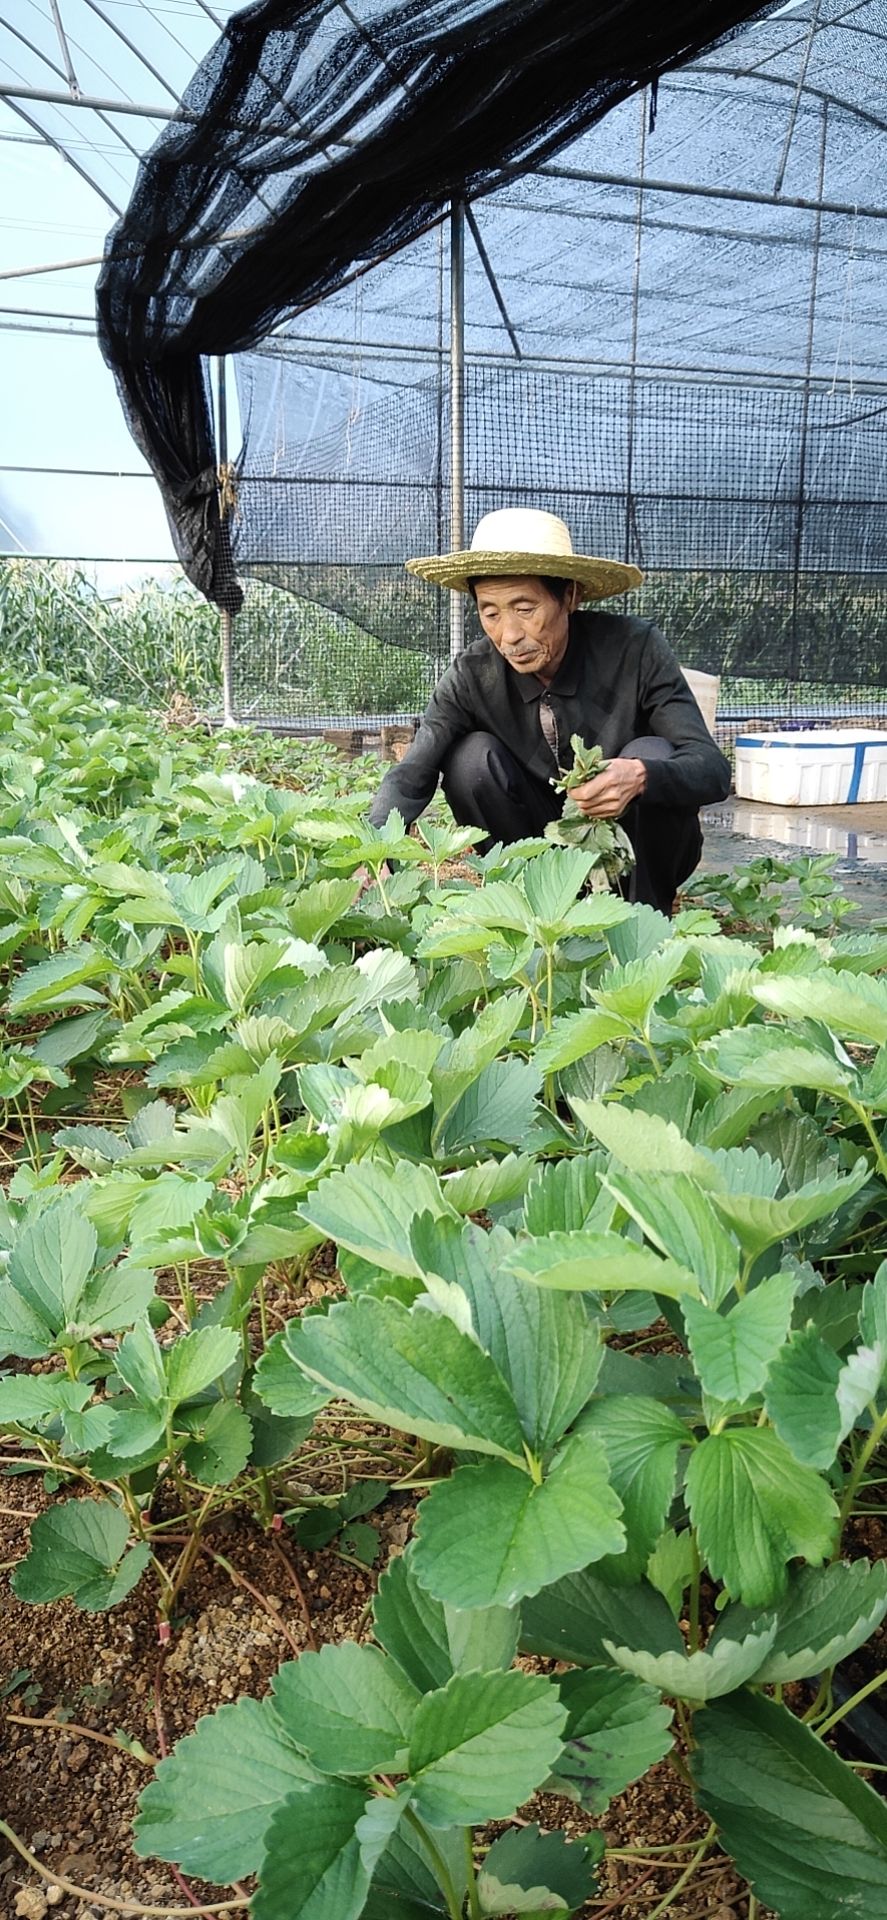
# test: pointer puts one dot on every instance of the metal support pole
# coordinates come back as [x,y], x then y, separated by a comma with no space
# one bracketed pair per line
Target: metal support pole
[227,619]
[793,663]
[630,516]
[457,412]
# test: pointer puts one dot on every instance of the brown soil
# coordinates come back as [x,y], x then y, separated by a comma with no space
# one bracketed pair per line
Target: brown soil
[72,1799]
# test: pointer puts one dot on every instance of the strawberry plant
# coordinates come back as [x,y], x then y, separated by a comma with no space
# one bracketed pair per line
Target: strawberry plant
[607,1195]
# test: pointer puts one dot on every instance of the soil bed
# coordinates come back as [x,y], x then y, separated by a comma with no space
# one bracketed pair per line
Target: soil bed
[72,1799]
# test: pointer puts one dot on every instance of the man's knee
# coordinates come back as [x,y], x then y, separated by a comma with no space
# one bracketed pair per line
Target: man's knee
[474,763]
[647,746]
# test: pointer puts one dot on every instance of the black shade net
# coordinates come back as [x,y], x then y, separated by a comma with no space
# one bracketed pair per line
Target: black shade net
[674,331]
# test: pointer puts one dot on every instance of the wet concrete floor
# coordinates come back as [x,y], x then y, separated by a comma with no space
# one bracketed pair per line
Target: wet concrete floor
[737,831]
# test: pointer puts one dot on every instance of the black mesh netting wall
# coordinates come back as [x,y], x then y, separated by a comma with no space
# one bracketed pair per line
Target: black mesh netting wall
[675,326]
[759,515]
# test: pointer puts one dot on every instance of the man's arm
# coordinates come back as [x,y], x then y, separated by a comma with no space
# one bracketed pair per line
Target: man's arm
[408,787]
[697,773]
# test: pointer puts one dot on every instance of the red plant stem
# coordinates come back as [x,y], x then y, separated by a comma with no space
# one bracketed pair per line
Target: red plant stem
[299,1591]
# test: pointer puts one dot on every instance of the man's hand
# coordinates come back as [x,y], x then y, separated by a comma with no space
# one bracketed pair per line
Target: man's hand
[608,794]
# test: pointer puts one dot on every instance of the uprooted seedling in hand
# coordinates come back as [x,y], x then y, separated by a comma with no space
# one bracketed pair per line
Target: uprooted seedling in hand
[605,838]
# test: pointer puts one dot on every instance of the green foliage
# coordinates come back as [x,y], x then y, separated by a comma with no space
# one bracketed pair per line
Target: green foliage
[531,1122]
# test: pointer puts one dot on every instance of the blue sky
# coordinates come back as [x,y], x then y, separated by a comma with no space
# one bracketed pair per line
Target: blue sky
[59,406]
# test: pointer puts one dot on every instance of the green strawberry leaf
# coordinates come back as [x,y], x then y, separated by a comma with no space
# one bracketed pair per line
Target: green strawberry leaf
[489,1535]
[209,1803]
[616,1728]
[82,1549]
[481,1745]
[755,1508]
[808,1835]
[348,1707]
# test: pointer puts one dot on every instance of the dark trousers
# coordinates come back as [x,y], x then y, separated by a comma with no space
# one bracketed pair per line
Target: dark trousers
[486,787]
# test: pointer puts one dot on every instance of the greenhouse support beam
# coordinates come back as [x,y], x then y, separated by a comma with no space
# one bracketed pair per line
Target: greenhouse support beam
[310,348]
[745,196]
[805,415]
[226,618]
[457,412]
[799,88]
[73,81]
[54,97]
[630,516]
[494,284]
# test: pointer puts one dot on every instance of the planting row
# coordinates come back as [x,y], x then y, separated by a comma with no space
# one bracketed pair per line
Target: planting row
[537,1124]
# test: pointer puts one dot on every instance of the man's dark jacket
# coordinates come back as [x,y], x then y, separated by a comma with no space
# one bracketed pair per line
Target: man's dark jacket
[618,679]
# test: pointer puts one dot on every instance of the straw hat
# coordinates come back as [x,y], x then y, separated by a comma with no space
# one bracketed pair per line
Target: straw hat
[523,540]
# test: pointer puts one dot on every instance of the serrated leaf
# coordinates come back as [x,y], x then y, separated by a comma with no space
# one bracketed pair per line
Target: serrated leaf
[640,1141]
[759,1222]
[801,1397]
[348,1707]
[209,1803]
[412,1370]
[853,1006]
[311,1869]
[489,1535]
[411,1626]
[825,1615]
[488,1184]
[222,1443]
[766,1058]
[52,1259]
[755,1508]
[481,1745]
[531,1873]
[465,1057]
[542,1343]
[561,1195]
[598,1263]
[616,1728]
[632,990]
[642,1440]
[572,1619]
[732,1351]
[27,1400]
[576,1036]
[197,1360]
[804,1830]
[281,1385]
[59,981]
[498,1109]
[369,1209]
[678,1217]
[80,1549]
[721,1667]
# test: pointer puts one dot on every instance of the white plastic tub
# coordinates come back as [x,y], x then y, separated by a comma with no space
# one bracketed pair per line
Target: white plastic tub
[827,768]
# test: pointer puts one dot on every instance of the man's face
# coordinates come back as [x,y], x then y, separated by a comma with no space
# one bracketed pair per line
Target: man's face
[525,623]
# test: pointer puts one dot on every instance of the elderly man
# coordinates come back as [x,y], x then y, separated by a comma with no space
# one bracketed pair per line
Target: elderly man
[499,723]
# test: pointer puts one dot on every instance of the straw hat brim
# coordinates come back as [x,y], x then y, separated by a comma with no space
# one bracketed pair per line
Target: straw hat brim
[597,579]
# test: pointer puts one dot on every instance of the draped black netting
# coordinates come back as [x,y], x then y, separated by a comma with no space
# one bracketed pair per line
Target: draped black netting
[328,135]
[675,321]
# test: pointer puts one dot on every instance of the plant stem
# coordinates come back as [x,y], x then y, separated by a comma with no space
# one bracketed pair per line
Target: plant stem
[854,1478]
[840,1713]
[91,1899]
[85,1733]
[474,1907]
[687,1874]
[694,1594]
[865,1121]
[441,1870]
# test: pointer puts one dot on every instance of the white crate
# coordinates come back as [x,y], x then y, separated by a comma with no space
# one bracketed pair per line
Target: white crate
[705,688]
[827,768]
